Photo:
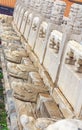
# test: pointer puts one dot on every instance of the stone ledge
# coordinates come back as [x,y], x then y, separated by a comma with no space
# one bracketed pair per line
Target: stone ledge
[63,104]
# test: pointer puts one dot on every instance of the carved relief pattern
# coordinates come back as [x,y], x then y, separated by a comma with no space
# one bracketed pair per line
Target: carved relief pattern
[43,30]
[29,19]
[54,43]
[35,23]
[57,12]
[78,64]
[47,8]
[25,15]
[70,57]
[74,57]
[38,5]
[75,18]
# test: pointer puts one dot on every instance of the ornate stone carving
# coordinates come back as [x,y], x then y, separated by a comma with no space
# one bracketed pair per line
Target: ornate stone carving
[29,18]
[58,12]
[78,65]
[25,15]
[35,23]
[26,91]
[16,55]
[75,18]
[10,37]
[7,47]
[38,5]
[55,42]
[20,70]
[70,57]
[47,8]
[74,57]
[43,30]
[73,75]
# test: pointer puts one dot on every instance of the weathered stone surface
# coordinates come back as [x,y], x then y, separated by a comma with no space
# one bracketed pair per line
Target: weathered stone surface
[35,79]
[32,4]
[47,8]
[23,108]
[75,19]
[16,12]
[70,104]
[40,100]
[50,109]
[9,32]
[17,15]
[33,32]
[33,58]
[28,26]
[16,55]
[11,79]
[24,20]
[38,6]
[52,56]
[20,18]
[41,41]
[58,12]
[27,92]
[7,28]
[7,47]
[20,70]
[73,76]
[7,37]
[63,104]
[28,122]
[42,123]
[68,124]
[46,78]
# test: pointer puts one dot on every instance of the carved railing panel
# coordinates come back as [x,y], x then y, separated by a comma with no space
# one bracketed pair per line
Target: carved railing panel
[52,56]
[71,83]
[33,31]
[28,26]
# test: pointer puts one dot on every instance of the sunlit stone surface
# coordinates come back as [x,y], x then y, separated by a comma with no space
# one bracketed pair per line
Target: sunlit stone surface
[41,59]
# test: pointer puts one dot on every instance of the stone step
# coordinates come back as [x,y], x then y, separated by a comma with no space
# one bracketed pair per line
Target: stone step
[51,110]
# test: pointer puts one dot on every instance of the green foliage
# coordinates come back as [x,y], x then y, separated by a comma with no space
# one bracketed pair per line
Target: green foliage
[1,75]
[3,114]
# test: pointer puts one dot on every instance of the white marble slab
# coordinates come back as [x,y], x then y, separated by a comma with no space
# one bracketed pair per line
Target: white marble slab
[34,31]
[28,26]
[70,80]
[15,11]
[52,56]
[17,15]
[41,41]
[20,18]
[24,20]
